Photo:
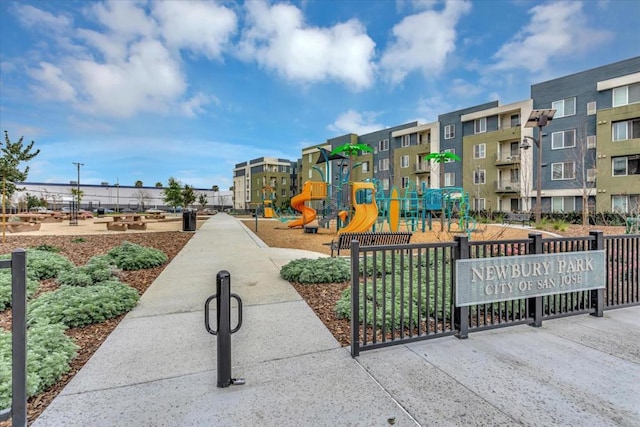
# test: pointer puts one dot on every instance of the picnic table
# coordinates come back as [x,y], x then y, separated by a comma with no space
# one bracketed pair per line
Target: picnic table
[125,221]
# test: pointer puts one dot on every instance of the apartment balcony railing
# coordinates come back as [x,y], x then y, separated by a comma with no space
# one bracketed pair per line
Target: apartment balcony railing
[506,186]
[507,159]
[423,167]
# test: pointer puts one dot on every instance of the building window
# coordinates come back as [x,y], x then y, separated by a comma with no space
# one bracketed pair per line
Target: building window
[563,204]
[405,181]
[365,166]
[452,151]
[404,161]
[625,95]
[449,131]
[383,145]
[625,203]
[479,204]
[591,142]
[310,157]
[383,164]
[563,139]
[385,184]
[629,129]
[449,179]
[565,170]
[479,151]
[479,176]
[406,140]
[591,175]
[284,181]
[480,125]
[564,107]
[623,166]
[515,120]
[592,108]
[310,173]
[284,192]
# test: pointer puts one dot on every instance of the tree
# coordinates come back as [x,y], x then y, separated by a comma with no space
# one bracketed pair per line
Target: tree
[138,184]
[441,158]
[141,196]
[188,196]
[202,200]
[77,195]
[158,184]
[172,193]
[216,190]
[13,154]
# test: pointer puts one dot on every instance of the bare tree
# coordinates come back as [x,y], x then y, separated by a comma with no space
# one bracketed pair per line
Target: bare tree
[141,196]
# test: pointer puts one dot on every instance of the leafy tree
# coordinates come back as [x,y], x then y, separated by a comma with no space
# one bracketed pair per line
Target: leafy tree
[158,184]
[172,193]
[77,195]
[13,154]
[138,184]
[202,200]
[188,196]
[215,188]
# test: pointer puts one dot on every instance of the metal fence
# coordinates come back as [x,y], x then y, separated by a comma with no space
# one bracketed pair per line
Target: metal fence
[404,293]
[18,410]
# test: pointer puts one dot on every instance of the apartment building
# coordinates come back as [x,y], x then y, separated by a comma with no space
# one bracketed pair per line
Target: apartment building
[264,178]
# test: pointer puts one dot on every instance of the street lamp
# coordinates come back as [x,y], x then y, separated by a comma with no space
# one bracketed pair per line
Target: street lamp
[539,119]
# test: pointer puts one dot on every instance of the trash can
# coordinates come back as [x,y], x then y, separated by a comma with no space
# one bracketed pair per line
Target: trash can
[189,220]
[100,212]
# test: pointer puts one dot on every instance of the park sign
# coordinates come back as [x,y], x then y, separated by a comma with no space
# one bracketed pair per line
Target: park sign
[487,280]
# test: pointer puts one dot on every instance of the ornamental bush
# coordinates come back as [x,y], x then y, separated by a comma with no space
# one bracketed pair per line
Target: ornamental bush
[5,287]
[46,264]
[97,270]
[79,306]
[130,256]
[49,352]
[321,270]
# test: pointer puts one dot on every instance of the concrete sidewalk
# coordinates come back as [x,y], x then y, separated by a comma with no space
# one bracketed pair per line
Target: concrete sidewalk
[158,367]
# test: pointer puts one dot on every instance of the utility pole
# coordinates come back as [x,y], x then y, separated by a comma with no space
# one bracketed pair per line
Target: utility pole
[76,211]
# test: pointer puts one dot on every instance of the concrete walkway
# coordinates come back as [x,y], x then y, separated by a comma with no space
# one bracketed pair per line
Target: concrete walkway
[158,367]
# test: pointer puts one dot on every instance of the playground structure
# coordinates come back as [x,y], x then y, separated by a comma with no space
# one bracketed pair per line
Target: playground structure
[312,190]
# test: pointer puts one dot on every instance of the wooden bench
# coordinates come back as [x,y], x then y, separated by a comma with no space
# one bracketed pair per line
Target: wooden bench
[510,217]
[116,226]
[21,227]
[369,239]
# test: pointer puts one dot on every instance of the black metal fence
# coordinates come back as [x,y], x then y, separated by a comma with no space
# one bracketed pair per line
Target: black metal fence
[18,410]
[403,293]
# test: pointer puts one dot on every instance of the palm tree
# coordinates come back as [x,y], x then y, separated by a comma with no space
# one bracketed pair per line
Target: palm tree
[441,158]
[351,150]
[138,184]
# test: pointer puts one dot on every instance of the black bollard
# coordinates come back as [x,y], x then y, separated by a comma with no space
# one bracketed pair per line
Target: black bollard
[223,313]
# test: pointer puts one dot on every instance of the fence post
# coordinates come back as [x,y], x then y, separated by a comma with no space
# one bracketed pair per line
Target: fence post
[355,298]
[535,304]
[461,314]
[597,295]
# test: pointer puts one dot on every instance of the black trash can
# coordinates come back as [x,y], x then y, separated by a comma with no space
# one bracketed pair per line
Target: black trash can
[189,220]
[100,212]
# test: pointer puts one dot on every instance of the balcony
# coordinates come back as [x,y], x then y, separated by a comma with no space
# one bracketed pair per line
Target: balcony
[422,167]
[507,159]
[506,187]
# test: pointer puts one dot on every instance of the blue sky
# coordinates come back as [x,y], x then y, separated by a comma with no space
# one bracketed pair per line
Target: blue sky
[147,90]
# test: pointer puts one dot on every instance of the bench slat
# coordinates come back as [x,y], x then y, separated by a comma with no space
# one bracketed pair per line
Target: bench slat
[369,239]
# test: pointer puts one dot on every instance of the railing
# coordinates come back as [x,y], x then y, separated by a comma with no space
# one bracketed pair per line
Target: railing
[422,167]
[405,293]
[18,410]
[507,159]
[506,186]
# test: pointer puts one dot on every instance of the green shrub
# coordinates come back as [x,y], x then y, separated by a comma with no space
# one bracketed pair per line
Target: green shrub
[5,287]
[129,256]
[560,226]
[74,307]
[79,240]
[45,264]
[49,352]
[321,270]
[97,270]
[48,248]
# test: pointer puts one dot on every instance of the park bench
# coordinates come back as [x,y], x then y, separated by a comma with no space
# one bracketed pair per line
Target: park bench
[369,239]
[21,227]
[510,217]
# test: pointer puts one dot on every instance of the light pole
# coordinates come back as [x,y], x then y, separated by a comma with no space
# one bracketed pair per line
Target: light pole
[539,119]
[77,209]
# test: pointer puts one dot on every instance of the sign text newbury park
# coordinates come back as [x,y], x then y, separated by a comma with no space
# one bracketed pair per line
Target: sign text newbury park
[486,280]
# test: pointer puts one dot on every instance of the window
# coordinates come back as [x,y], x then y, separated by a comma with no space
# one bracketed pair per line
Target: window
[405,181]
[383,164]
[591,108]
[563,139]
[591,142]
[626,95]
[452,151]
[310,157]
[479,204]
[623,166]
[480,125]
[564,107]
[515,175]
[449,179]
[479,151]
[310,173]
[365,166]
[284,181]
[626,130]
[560,171]
[385,184]
[563,204]
[383,145]
[375,169]
[406,140]
[515,120]
[404,162]
[375,149]
[626,203]
[479,176]
[284,192]
[591,175]
[449,131]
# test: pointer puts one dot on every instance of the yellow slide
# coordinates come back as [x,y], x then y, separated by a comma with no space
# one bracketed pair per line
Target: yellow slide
[366,214]
[311,191]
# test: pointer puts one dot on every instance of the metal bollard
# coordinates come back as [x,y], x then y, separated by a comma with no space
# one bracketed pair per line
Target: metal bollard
[223,306]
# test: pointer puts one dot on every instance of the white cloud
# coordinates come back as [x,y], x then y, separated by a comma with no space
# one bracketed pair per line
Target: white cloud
[558,29]
[125,19]
[464,89]
[278,39]
[32,17]
[202,27]
[50,83]
[355,122]
[423,42]
[195,104]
